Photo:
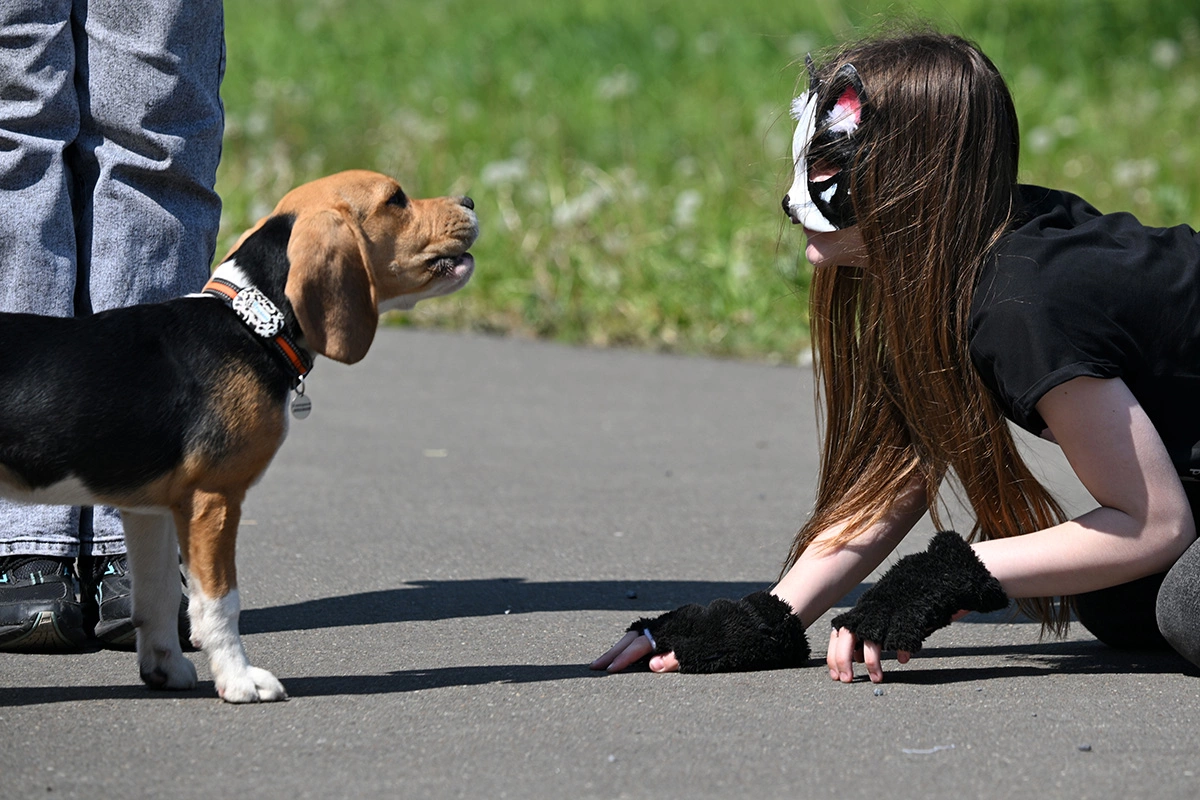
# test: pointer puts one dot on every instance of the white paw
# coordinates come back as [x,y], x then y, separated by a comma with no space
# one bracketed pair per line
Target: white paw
[166,669]
[253,685]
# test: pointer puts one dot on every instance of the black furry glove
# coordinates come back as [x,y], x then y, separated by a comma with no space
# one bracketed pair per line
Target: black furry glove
[757,632]
[921,593]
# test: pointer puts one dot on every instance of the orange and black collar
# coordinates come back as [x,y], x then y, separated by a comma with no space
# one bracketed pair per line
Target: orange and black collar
[265,320]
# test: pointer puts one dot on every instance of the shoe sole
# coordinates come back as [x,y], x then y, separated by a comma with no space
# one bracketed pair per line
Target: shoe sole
[44,632]
[121,634]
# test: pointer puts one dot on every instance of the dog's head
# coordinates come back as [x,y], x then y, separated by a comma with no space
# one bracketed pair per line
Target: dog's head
[359,246]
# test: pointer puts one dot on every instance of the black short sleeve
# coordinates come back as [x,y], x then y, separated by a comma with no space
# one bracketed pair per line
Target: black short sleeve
[1071,292]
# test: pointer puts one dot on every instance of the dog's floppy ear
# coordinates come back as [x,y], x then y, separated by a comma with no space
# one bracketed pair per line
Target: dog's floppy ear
[329,287]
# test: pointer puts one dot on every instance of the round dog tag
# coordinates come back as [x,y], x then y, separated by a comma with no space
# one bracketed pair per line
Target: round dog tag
[301,407]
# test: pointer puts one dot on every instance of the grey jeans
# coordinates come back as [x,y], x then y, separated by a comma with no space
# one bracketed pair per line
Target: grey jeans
[1177,606]
[110,134]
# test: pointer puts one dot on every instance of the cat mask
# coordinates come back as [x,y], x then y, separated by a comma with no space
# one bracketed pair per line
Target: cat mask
[825,147]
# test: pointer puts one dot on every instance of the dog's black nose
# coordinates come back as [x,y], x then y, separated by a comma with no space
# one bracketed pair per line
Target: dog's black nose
[468,202]
[787,205]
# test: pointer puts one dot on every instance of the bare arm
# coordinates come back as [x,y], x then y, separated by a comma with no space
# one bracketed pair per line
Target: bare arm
[822,576]
[1143,522]
[819,578]
[1142,525]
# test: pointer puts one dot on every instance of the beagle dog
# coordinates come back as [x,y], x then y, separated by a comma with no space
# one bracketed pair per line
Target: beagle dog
[171,411]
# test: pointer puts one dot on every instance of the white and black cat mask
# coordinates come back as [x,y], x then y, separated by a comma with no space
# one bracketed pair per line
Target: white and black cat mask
[825,147]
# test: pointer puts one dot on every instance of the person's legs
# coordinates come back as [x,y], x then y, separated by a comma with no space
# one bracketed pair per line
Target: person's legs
[1178,606]
[150,139]
[39,117]
[1123,616]
[149,144]
[151,120]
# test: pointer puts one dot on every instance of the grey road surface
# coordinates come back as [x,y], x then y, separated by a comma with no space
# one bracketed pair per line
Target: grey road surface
[464,522]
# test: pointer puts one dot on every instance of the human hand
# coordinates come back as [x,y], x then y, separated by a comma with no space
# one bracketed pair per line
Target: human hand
[921,593]
[631,648]
[845,651]
[757,632]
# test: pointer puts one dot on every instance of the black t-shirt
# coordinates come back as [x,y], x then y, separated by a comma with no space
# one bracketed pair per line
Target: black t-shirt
[1072,292]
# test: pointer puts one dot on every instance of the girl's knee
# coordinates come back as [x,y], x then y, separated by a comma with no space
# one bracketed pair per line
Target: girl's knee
[1177,612]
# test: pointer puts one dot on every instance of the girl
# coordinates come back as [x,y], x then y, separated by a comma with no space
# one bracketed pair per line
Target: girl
[947,299]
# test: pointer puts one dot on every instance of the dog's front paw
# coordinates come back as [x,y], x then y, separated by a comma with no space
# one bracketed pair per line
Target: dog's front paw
[166,669]
[253,685]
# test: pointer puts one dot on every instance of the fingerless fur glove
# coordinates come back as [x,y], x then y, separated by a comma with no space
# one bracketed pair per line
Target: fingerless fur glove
[921,593]
[757,632]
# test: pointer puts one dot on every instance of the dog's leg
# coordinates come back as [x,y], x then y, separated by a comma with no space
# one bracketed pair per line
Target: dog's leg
[214,605]
[154,570]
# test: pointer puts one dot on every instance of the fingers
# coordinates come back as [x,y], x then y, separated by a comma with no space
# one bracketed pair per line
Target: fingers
[639,648]
[845,650]
[829,662]
[840,656]
[872,654]
[604,661]
[664,663]
[633,647]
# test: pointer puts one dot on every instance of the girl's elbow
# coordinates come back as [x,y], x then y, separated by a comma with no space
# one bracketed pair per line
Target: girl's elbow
[1173,536]
[1184,536]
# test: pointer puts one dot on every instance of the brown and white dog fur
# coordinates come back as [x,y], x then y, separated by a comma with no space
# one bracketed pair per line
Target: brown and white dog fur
[171,411]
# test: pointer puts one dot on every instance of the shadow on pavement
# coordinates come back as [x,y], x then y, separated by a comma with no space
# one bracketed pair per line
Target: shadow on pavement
[439,678]
[1042,659]
[316,686]
[437,600]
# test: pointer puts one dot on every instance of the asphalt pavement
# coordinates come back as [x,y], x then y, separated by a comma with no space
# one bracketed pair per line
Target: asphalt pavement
[464,522]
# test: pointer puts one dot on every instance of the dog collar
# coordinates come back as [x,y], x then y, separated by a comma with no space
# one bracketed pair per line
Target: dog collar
[264,319]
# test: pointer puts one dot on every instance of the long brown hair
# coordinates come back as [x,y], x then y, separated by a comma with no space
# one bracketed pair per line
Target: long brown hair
[933,189]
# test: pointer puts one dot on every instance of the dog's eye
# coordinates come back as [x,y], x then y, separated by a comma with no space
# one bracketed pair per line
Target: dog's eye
[399,199]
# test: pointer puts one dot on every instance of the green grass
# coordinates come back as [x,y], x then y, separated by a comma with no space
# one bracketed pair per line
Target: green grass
[627,158]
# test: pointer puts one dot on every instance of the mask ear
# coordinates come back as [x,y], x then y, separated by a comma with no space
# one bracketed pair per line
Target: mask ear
[329,287]
[846,113]
[811,68]
[835,145]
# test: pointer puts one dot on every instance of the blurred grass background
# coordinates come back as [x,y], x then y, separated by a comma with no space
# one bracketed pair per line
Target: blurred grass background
[627,157]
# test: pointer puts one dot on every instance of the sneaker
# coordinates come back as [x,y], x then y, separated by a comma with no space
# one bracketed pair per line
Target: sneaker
[39,609]
[107,598]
